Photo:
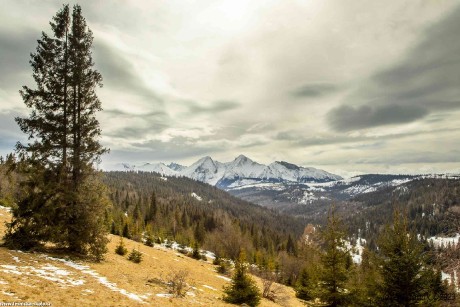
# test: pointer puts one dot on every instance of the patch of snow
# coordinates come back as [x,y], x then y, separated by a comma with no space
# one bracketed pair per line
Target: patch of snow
[189,293]
[445,276]
[308,198]
[194,195]
[209,287]
[11,269]
[2,282]
[443,242]
[101,279]
[256,184]
[8,293]
[8,209]
[16,259]
[210,255]
[166,295]
[224,277]
[356,252]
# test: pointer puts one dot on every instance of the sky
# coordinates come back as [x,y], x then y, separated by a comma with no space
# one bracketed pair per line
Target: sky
[347,86]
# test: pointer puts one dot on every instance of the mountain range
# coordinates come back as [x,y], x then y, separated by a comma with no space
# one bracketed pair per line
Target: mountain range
[240,172]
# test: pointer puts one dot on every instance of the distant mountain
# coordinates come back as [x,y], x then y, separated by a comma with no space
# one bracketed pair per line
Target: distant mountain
[176,167]
[240,172]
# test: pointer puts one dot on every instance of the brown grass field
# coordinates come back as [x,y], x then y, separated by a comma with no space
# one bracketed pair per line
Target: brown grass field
[60,281]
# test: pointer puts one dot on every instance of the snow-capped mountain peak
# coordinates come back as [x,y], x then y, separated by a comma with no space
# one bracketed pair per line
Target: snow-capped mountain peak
[239,172]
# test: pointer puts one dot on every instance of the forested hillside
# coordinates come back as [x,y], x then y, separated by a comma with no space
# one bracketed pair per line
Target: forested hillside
[432,206]
[192,212]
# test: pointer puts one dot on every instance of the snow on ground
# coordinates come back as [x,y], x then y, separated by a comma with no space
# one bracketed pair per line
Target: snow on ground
[224,277]
[356,252]
[209,287]
[308,198]
[48,272]
[7,209]
[249,183]
[101,279]
[445,241]
[194,195]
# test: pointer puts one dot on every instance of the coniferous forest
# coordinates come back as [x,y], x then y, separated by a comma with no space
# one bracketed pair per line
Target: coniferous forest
[369,250]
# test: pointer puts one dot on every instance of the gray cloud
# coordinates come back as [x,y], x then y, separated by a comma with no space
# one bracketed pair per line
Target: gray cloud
[298,139]
[10,133]
[346,118]
[119,73]
[177,149]
[426,81]
[216,107]
[313,90]
[15,49]
[407,157]
[149,122]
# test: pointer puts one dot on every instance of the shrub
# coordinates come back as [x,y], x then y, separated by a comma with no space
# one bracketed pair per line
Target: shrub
[121,249]
[224,267]
[135,256]
[149,240]
[177,283]
[196,252]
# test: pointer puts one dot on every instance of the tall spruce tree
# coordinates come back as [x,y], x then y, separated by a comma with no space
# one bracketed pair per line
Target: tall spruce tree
[62,200]
[335,262]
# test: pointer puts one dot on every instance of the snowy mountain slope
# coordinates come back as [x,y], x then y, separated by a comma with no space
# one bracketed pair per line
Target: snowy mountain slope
[176,167]
[160,168]
[237,173]
[205,170]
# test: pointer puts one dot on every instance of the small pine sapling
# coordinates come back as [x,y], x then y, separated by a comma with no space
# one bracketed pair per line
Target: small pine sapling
[149,240]
[121,249]
[135,256]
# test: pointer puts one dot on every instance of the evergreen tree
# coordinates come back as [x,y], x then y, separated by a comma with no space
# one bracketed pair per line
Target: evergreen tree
[121,249]
[61,199]
[135,256]
[334,262]
[242,290]
[290,246]
[407,280]
[303,289]
[126,233]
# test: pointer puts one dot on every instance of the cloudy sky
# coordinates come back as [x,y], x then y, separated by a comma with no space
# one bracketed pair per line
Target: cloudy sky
[347,86]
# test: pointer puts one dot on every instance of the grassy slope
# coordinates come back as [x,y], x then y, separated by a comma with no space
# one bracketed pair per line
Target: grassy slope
[33,277]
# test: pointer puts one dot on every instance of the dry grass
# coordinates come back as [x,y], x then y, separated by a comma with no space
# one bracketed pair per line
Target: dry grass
[33,277]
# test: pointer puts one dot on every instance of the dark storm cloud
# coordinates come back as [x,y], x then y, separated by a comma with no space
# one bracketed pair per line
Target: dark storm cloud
[346,118]
[15,49]
[118,73]
[216,107]
[314,90]
[426,81]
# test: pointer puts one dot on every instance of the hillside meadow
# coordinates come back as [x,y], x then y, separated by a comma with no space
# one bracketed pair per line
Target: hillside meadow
[62,280]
